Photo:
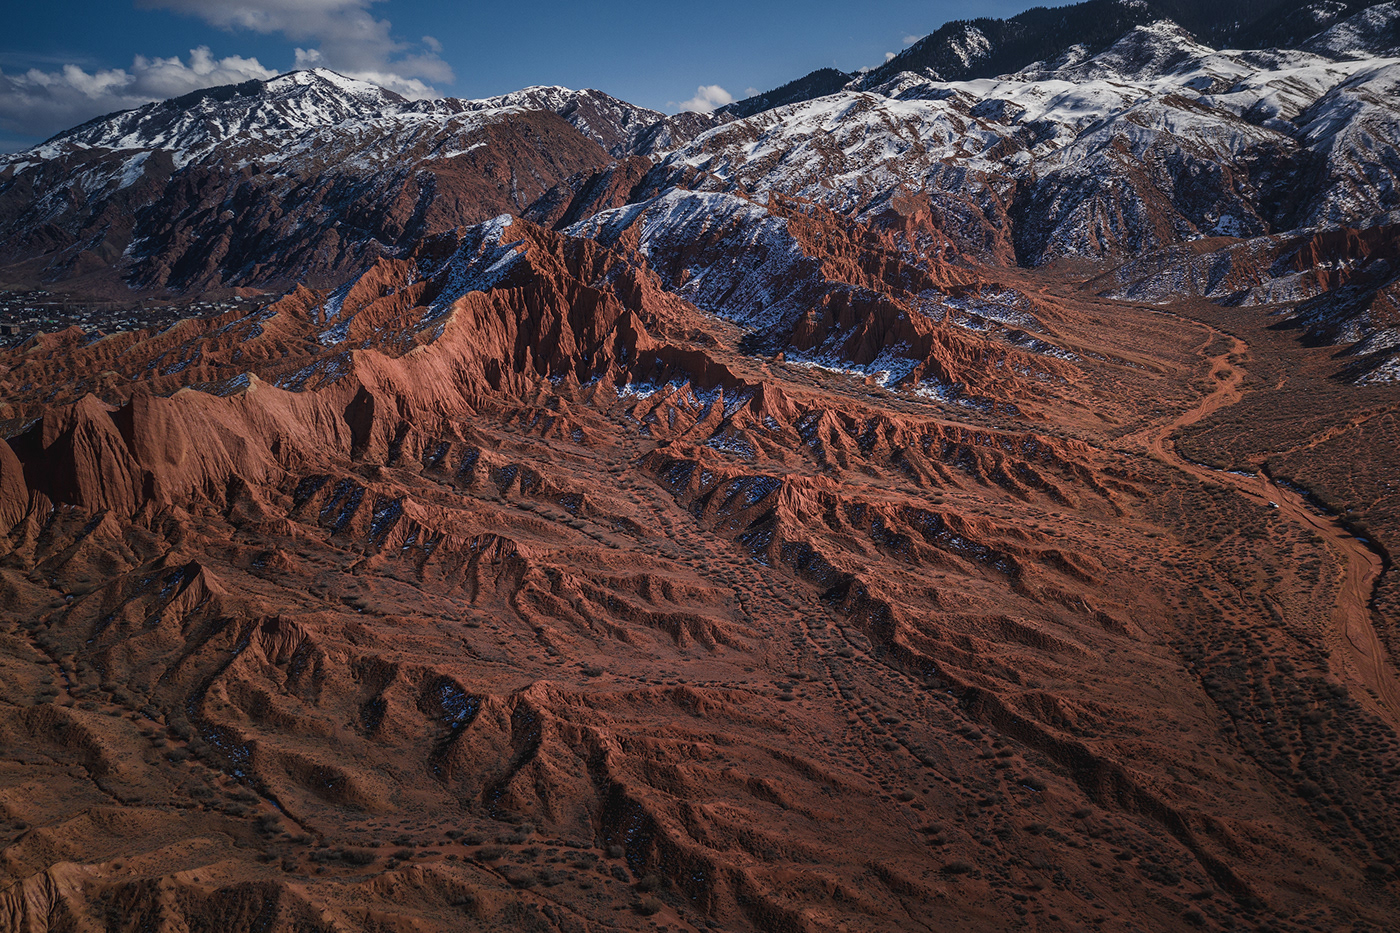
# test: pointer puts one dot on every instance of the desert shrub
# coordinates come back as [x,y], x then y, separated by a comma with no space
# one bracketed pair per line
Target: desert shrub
[651,881]
[358,856]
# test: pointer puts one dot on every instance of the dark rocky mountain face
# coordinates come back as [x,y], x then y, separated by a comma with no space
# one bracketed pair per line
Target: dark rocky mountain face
[819,83]
[984,48]
[273,222]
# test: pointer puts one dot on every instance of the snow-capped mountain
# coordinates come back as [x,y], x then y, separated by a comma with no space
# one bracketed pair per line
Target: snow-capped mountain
[305,177]
[1154,140]
[1101,155]
[301,107]
[267,112]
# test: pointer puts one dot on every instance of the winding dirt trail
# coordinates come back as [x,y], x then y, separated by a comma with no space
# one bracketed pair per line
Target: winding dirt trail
[1357,655]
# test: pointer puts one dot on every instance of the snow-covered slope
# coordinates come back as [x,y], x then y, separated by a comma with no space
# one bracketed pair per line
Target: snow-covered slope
[1123,156]
[256,111]
[719,252]
[306,176]
[1157,139]
[303,109]
[1374,31]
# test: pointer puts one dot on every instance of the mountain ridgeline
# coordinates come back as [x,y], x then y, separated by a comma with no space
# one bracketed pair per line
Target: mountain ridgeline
[985,47]
[310,177]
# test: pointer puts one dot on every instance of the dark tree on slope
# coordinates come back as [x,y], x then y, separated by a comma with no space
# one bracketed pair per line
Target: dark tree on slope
[819,83]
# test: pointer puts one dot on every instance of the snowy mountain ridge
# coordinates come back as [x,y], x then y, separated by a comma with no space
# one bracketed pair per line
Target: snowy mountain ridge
[298,109]
[1153,98]
[1155,140]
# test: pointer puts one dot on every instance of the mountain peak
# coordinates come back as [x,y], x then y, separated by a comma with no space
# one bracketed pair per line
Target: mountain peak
[323,77]
[1144,52]
[195,123]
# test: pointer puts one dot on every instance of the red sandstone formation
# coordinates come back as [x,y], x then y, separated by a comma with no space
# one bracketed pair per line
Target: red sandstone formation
[503,587]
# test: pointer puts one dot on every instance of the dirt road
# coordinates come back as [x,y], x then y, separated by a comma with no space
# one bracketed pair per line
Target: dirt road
[1357,656]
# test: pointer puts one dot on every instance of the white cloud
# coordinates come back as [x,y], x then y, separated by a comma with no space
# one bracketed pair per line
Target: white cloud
[408,87]
[751,92]
[889,56]
[346,37]
[411,88]
[338,34]
[910,40]
[40,103]
[169,77]
[708,97]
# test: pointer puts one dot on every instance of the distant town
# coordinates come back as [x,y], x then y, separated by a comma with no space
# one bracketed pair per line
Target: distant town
[26,313]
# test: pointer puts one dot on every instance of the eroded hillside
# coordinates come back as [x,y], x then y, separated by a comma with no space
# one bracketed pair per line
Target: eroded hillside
[933,505]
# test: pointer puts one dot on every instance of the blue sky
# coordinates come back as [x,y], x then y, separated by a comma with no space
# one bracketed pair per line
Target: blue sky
[65,61]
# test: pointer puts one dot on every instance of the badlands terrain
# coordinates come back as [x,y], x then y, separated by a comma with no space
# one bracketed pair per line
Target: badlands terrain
[920,500]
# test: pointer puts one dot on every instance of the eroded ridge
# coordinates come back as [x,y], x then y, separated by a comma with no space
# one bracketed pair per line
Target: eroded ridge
[525,582]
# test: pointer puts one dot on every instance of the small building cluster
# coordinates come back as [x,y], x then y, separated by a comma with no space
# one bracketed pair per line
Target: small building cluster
[26,313]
